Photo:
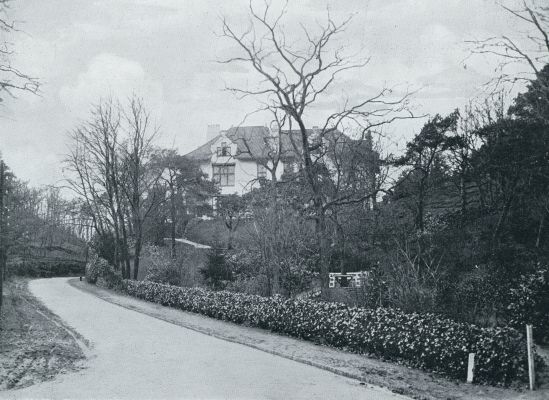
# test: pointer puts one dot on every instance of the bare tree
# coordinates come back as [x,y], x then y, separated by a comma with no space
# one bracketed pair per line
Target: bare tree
[140,174]
[11,79]
[532,49]
[94,160]
[292,80]
[112,171]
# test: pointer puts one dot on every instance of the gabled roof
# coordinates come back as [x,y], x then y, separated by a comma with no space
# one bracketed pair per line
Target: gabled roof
[257,142]
[252,142]
[204,152]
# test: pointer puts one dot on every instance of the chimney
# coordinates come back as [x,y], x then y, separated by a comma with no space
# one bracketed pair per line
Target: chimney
[213,131]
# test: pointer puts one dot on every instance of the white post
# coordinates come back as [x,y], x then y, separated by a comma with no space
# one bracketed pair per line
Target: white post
[470,367]
[530,346]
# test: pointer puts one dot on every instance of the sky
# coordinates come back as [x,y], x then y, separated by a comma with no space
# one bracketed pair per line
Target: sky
[167,52]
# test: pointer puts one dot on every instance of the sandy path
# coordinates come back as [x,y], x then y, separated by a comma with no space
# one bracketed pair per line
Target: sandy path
[137,356]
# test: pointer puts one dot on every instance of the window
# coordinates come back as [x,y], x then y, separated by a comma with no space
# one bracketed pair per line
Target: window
[261,171]
[223,174]
[224,150]
[289,167]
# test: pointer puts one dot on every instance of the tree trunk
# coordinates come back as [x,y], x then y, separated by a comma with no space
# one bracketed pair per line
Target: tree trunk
[173,218]
[126,269]
[463,193]
[230,238]
[420,211]
[116,238]
[138,244]
[540,230]
[324,263]
[2,232]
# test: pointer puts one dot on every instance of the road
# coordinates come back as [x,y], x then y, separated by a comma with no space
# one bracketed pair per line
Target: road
[136,356]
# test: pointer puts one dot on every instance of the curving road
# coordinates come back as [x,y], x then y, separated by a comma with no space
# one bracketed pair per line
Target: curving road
[136,356]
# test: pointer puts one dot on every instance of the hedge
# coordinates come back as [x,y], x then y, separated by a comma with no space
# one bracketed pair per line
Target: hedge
[45,269]
[425,341]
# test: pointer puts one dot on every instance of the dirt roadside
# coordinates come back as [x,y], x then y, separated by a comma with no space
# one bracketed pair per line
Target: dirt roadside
[398,378]
[35,345]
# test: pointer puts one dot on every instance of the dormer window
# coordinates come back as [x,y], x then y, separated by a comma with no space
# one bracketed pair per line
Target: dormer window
[224,150]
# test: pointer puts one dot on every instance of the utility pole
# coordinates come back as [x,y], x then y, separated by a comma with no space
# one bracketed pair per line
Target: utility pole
[2,230]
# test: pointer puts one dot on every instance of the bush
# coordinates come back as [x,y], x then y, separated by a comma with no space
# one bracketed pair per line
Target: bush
[257,285]
[529,303]
[253,273]
[184,270]
[162,268]
[45,269]
[104,246]
[425,341]
[217,273]
[98,270]
[474,296]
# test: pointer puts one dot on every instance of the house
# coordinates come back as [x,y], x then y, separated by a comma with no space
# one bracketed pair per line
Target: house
[239,157]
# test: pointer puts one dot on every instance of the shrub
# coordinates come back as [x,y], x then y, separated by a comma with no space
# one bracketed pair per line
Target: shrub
[475,296]
[98,270]
[257,285]
[45,269]
[425,341]
[92,269]
[162,268]
[216,272]
[254,273]
[529,303]
[104,246]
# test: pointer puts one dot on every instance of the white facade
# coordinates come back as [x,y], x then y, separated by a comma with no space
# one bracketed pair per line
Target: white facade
[246,171]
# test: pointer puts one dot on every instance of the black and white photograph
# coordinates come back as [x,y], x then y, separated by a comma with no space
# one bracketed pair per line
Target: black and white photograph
[274,199]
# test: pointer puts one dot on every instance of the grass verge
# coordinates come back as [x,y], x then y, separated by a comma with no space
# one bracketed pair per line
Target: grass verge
[35,345]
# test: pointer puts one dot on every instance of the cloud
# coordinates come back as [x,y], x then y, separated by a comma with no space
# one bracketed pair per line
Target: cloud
[109,75]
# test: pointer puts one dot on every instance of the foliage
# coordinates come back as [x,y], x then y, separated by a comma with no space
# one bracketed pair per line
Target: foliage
[478,180]
[36,237]
[162,267]
[232,209]
[253,274]
[103,244]
[529,303]
[181,270]
[187,191]
[216,272]
[475,296]
[98,270]
[45,269]
[212,232]
[257,284]
[424,341]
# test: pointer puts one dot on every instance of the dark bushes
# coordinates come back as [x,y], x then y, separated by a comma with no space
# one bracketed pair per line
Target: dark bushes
[425,341]
[98,270]
[46,269]
[529,303]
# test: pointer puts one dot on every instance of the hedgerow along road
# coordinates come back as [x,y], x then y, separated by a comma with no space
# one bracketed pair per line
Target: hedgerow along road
[134,355]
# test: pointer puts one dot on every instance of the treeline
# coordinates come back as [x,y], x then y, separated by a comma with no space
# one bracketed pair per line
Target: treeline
[39,230]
